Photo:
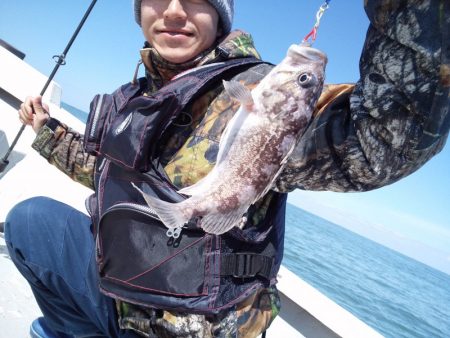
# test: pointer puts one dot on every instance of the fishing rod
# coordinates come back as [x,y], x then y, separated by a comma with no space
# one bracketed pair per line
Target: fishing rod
[60,61]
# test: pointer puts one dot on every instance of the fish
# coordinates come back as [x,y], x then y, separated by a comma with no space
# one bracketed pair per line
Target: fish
[253,148]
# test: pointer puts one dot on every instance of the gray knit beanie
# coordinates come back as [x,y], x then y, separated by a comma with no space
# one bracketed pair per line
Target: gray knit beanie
[225,8]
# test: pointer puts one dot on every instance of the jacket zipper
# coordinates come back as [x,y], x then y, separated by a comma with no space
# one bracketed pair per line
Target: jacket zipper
[101,182]
[96,117]
[145,210]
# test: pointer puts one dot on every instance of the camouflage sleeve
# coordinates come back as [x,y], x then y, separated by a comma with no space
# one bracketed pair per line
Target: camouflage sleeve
[395,118]
[63,148]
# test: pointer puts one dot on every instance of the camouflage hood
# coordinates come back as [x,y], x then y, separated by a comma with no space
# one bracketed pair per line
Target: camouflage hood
[235,45]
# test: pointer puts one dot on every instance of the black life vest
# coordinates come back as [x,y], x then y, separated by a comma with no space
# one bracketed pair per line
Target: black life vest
[138,263]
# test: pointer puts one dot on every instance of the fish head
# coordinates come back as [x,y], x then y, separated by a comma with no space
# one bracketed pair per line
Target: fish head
[304,53]
[304,66]
[295,84]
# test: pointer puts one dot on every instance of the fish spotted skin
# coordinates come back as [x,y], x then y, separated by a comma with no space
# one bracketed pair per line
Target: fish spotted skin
[255,145]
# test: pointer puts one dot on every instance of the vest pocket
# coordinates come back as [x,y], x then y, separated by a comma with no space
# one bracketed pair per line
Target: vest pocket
[133,134]
[135,254]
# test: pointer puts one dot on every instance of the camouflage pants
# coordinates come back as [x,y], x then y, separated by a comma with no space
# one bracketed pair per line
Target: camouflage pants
[246,320]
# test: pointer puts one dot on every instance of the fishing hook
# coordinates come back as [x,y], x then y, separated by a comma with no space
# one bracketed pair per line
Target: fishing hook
[313,33]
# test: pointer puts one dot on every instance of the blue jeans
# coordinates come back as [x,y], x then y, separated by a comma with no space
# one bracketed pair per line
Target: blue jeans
[53,248]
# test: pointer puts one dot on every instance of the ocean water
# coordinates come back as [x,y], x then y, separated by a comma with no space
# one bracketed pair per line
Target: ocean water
[394,294]
[79,114]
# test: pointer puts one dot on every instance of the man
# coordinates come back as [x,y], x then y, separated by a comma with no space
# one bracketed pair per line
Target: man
[362,137]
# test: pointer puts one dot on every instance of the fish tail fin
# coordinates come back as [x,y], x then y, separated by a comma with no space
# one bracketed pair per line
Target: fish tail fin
[220,223]
[171,214]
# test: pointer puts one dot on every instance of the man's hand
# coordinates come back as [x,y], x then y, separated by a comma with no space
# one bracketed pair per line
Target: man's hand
[34,113]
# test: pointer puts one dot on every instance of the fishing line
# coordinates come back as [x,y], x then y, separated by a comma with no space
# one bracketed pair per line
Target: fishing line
[60,61]
[313,34]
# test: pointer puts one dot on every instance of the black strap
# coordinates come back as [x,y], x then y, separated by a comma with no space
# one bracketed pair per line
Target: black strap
[192,83]
[246,265]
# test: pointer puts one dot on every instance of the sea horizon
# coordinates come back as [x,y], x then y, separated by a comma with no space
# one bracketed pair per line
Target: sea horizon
[445,270]
[397,295]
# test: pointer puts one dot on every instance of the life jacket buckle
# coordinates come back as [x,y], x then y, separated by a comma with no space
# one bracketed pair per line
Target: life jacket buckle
[244,267]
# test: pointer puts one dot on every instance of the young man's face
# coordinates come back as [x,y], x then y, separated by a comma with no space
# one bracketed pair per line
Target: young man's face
[179,29]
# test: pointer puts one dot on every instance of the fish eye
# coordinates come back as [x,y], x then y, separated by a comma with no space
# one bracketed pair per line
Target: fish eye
[304,79]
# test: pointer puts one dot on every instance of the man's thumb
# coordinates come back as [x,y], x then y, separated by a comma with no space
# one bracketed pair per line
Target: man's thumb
[38,107]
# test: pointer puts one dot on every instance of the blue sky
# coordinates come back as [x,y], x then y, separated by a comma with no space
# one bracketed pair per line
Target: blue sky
[411,216]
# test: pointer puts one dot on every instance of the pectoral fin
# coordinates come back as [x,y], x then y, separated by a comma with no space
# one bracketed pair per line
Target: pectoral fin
[240,93]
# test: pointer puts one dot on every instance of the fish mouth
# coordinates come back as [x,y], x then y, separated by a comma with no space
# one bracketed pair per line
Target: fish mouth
[307,52]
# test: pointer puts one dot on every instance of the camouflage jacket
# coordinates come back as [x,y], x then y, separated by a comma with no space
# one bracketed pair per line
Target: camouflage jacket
[362,136]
